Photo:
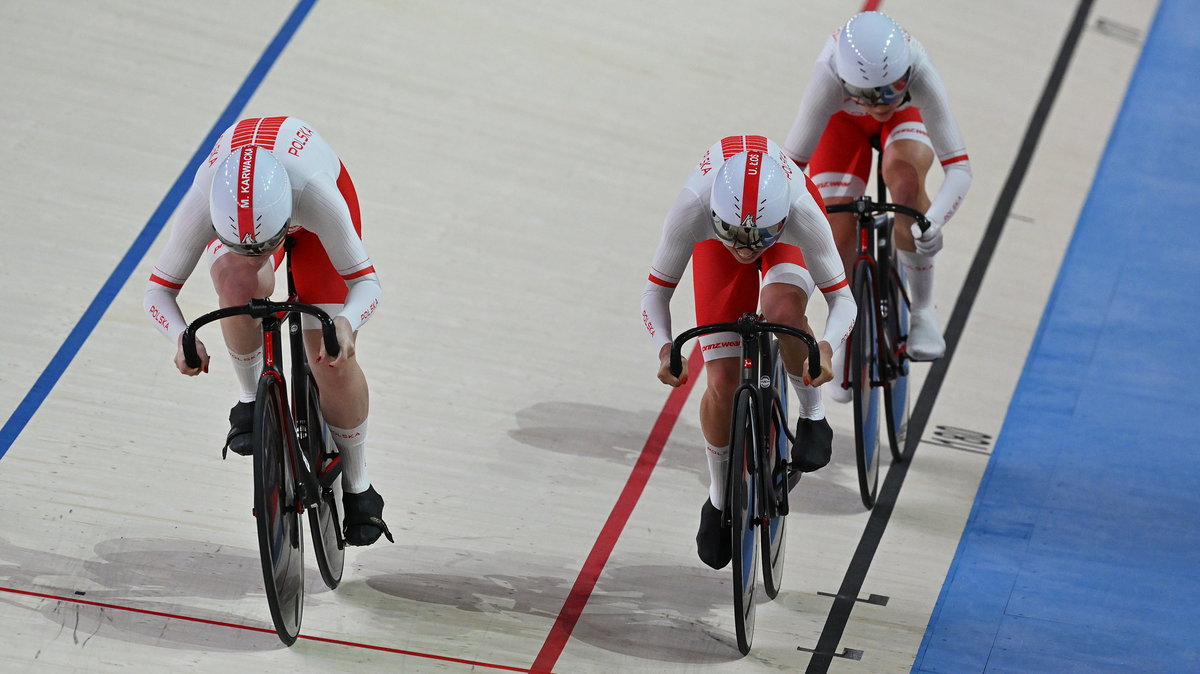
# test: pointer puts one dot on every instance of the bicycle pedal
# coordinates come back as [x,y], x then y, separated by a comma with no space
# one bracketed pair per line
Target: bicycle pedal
[793,480]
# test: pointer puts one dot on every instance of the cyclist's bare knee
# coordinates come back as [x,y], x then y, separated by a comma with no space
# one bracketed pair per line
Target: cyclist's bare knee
[786,304]
[844,233]
[905,165]
[723,377]
[237,279]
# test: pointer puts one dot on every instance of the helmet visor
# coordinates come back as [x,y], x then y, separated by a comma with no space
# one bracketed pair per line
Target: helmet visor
[884,95]
[747,236]
[257,248]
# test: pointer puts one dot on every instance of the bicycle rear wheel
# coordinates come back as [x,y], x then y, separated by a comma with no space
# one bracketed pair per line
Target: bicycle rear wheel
[324,520]
[774,527]
[864,371]
[896,402]
[741,504]
[280,530]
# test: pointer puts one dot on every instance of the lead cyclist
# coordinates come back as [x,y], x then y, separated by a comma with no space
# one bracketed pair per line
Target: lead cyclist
[267,180]
[755,229]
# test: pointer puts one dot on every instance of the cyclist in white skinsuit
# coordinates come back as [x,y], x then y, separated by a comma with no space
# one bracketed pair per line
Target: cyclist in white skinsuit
[267,180]
[755,229]
[873,79]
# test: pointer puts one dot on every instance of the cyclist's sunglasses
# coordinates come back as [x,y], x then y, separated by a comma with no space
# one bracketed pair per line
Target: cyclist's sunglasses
[254,248]
[885,95]
[747,236]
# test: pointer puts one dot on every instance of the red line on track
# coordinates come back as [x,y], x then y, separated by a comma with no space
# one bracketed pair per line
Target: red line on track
[264,630]
[607,540]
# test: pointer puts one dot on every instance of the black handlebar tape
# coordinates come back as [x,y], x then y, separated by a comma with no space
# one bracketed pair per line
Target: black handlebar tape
[814,364]
[190,357]
[331,343]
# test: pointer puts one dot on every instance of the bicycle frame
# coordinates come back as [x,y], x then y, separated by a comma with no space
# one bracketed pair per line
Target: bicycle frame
[269,312]
[758,482]
[756,374]
[875,353]
[876,256]
[295,466]
[305,433]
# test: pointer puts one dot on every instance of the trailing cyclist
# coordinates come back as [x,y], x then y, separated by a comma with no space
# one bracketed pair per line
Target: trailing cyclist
[873,81]
[755,228]
[267,180]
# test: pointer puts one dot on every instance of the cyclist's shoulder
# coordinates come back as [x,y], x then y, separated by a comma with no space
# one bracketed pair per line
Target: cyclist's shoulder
[295,142]
[703,172]
[828,54]
[924,71]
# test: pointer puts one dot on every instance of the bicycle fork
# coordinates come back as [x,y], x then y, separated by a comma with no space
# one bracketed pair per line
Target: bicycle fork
[892,362]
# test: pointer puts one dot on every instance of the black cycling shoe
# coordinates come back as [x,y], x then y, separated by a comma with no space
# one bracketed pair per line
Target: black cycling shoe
[363,521]
[713,542]
[814,445]
[241,426]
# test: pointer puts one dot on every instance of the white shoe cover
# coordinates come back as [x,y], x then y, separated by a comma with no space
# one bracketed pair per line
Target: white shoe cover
[925,341]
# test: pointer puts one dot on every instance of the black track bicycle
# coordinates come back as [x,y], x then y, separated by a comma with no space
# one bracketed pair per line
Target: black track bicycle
[296,464]
[759,472]
[877,349]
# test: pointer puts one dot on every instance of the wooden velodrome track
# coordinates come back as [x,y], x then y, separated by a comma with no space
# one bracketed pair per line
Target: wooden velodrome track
[514,161]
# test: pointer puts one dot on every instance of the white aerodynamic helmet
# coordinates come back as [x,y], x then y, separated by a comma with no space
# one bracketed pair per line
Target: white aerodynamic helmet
[750,200]
[251,201]
[873,59]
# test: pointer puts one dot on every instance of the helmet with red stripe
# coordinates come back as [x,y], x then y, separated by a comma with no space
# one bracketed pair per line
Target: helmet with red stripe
[750,201]
[251,201]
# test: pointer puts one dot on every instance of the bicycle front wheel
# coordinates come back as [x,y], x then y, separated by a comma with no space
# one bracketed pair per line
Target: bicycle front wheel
[863,372]
[280,535]
[741,504]
[773,529]
[324,520]
[896,402]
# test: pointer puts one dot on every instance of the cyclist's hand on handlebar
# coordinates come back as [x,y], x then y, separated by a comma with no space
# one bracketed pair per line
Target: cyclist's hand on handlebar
[181,364]
[929,242]
[345,338]
[826,365]
[664,368]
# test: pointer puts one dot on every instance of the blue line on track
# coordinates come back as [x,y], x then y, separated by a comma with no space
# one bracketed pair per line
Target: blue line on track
[41,388]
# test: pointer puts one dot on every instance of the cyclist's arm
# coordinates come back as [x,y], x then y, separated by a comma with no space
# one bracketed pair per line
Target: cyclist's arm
[842,312]
[822,98]
[682,228]
[323,210]
[929,94]
[807,223]
[190,232]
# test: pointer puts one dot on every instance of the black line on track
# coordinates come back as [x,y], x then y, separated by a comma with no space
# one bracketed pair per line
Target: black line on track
[860,564]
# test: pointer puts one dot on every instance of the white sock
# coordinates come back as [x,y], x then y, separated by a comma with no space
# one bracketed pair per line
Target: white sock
[247,367]
[352,443]
[918,271]
[809,398]
[718,468]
